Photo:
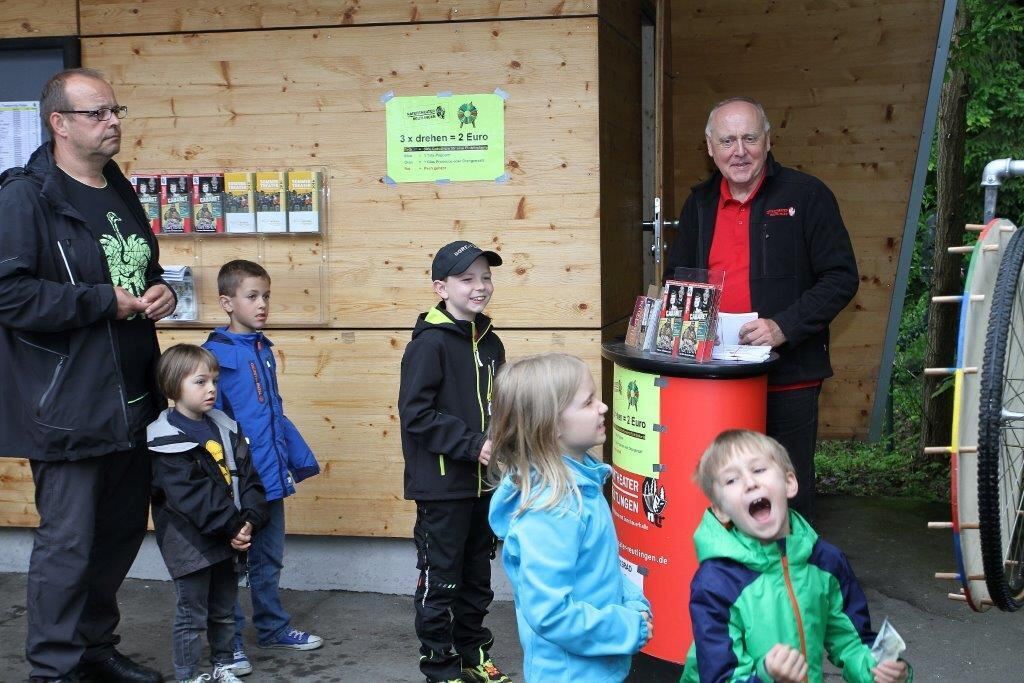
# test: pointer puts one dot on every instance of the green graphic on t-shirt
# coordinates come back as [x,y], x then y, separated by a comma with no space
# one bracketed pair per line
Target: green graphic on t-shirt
[127,258]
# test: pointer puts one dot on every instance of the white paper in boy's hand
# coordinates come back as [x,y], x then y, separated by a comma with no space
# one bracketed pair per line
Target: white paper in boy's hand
[729,325]
[888,644]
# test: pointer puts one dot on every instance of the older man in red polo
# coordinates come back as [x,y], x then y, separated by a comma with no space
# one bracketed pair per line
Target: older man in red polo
[778,235]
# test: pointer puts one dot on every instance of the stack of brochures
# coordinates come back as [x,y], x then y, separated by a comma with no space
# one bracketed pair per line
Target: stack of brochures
[741,352]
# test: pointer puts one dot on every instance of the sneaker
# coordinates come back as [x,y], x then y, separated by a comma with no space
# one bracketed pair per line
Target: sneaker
[485,672]
[201,678]
[239,665]
[294,639]
[222,673]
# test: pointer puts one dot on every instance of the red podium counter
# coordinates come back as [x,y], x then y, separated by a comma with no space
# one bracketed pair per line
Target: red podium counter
[665,412]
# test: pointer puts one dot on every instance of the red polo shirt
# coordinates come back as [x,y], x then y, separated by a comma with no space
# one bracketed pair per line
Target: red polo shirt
[730,252]
[730,248]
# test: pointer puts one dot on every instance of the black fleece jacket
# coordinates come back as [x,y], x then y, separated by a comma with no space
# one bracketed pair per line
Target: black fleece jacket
[444,403]
[803,271]
[64,396]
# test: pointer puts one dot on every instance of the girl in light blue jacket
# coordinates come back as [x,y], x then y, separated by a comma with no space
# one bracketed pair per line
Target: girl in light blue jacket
[579,618]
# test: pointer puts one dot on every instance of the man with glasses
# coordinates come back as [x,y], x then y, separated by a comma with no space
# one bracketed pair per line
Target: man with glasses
[778,235]
[80,289]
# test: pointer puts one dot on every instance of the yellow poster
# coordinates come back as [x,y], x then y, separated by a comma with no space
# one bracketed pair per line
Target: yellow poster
[636,407]
[454,138]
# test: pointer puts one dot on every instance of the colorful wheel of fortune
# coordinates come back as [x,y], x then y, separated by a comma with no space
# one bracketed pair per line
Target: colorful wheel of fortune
[987,448]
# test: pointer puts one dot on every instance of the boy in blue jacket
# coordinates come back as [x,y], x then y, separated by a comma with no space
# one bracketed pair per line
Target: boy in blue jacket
[248,392]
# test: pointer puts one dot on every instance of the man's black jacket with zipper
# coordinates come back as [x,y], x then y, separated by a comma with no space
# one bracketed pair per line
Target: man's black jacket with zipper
[802,267]
[444,403]
[63,394]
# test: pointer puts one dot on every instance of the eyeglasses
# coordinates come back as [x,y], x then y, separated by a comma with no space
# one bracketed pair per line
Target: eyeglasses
[101,114]
[749,140]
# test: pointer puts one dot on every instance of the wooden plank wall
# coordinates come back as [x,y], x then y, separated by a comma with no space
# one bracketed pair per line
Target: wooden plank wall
[299,84]
[844,83]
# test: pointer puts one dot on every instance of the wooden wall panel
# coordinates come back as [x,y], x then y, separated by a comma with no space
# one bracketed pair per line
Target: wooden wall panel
[621,174]
[112,17]
[341,388]
[844,83]
[216,101]
[38,18]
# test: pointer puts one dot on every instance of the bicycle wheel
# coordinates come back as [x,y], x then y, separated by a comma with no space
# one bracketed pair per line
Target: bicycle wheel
[1001,435]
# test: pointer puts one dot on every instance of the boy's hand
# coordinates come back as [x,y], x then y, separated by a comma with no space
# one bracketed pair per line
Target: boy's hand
[649,620]
[243,539]
[485,453]
[785,664]
[890,672]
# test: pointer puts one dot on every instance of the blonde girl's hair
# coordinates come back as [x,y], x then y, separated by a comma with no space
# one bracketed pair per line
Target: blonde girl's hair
[529,398]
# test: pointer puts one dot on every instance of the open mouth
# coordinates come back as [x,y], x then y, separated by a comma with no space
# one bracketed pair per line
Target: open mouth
[761,509]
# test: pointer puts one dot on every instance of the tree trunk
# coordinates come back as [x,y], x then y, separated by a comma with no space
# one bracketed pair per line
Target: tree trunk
[943,321]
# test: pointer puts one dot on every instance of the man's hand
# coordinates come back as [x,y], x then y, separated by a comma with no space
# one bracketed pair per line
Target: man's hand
[785,664]
[762,332]
[158,302]
[127,305]
[890,672]
[243,539]
[485,453]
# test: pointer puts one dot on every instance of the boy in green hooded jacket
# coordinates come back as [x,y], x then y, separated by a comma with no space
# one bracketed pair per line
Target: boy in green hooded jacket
[770,598]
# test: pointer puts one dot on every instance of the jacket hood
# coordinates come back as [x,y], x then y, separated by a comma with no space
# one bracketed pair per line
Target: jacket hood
[590,476]
[438,318]
[716,540]
[226,336]
[163,437]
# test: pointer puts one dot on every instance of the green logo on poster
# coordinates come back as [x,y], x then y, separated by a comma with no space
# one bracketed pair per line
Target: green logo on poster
[633,395]
[467,114]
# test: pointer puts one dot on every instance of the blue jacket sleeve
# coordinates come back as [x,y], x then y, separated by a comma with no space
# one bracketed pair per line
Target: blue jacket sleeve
[301,461]
[633,597]
[549,541]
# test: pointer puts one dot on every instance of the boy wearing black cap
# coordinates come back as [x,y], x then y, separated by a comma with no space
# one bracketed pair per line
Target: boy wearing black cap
[445,404]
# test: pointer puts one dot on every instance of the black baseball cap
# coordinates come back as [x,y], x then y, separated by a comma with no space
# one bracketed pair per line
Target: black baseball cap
[457,257]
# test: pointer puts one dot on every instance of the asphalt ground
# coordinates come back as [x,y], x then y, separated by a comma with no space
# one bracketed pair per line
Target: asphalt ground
[369,636]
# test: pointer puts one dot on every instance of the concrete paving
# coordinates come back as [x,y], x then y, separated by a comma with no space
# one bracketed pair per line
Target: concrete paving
[369,636]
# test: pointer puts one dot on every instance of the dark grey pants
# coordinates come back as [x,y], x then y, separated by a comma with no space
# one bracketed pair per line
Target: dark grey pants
[206,602]
[92,519]
[793,422]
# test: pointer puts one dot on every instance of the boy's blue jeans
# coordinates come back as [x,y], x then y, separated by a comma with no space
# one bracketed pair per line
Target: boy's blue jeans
[266,557]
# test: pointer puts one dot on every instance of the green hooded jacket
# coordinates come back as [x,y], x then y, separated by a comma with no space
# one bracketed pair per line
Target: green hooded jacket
[748,596]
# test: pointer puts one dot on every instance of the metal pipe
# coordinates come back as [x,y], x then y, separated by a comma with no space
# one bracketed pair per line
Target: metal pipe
[992,177]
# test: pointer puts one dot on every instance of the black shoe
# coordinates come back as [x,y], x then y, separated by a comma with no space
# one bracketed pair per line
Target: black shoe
[120,669]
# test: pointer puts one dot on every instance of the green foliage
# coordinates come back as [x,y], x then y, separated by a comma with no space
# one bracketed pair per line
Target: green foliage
[989,51]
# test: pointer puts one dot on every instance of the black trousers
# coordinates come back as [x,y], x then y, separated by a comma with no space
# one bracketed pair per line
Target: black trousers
[793,422]
[92,519]
[454,548]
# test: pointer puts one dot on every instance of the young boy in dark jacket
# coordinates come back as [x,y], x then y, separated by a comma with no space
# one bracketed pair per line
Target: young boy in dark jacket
[444,405]
[207,503]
